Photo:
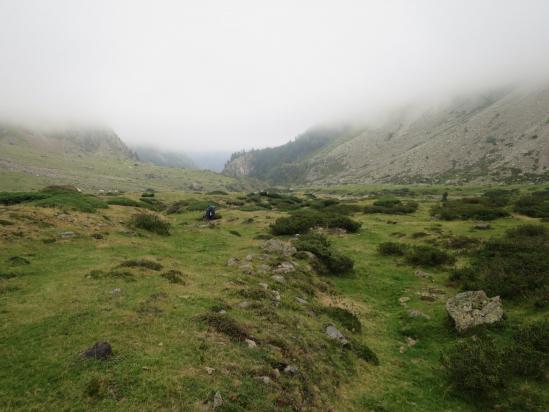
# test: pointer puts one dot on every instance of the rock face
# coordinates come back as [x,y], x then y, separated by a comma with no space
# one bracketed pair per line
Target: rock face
[101,350]
[474,308]
[279,247]
[335,334]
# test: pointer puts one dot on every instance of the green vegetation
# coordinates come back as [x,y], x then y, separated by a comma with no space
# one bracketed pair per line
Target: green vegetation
[513,266]
[423,255]
[331,262]
[391,249]
[392,206]
[124,201]
[67,199]
[479,208]
[303,220]
[141,263]
[535,204]
[151,223]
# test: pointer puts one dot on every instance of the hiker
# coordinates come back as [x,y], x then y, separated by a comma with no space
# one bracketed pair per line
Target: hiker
[210,213]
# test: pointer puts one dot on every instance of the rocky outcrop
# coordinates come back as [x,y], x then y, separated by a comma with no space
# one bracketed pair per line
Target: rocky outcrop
[474,308]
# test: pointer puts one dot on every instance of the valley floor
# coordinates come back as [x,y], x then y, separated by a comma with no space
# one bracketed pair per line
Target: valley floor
[66,284]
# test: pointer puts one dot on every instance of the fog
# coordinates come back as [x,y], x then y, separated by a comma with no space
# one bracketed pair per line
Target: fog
[226,75]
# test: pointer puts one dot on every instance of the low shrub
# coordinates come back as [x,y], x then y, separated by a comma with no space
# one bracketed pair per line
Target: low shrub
[235,233]
[141,263]
[514,265]
[391,249]
[530,351]
[423,255]
[364,352]
[177,207]
[222,323]
[534,205]
[151,223]
[70,200]
[461,242]
[480,208]
[302,221]
[147,194]
[346,318]
[476,367]
[392,206]
[13,198]
[331,261]
[124,201]
[174,276]
[153,204]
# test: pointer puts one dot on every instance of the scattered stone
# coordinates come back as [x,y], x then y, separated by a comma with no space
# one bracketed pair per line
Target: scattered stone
[218,400]
[209,370]
[291,369]
[244,305]
[335,334]
[474,308]
[276,295]
[249,258]
[67,235]
[285,267]
[278,278]
[416,314]
[251,343]
[265,379]
[301,300]
[232,261]
[263,268]
[482,225]
[428,297]
[222,312]
[264,285]
[411,341]
[276,373]
[403,300]
[247,268]
[116,292]
[101,350]
[422,274]
[279,247]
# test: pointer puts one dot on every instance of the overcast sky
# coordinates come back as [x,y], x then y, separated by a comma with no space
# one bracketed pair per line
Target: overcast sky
[239,74]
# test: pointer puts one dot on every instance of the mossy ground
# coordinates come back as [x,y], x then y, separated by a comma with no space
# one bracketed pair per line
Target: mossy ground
[51,311]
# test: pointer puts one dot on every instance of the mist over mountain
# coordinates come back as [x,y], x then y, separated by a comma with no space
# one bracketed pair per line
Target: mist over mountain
[500,135]
[165,158]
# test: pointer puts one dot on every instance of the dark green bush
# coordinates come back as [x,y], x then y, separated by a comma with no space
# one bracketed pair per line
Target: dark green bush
[391,249]
[476,367]
[392,206]
[514,265]
[124,201]
[364,352]
[13,198]
[331,261]
[427,256]
[153,204]
[147,194]
[480,208]
[151,223]
[71,200]
[173,276]
[223,323]
[534,205]
[141,263]
[302,221]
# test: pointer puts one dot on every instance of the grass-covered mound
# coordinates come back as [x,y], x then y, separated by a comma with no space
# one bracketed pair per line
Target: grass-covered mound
[124,201]
[418,255]
[478,208]
[331,262]
[535,204]
[302,220]
[55,196]
[392,206]
[514,265]
[272,200]
[151,223]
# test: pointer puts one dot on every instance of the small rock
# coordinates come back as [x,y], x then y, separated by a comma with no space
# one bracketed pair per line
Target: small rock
[403,299]
[422,274]
[302,301]
[67,235]
[415,314]
[247,268]
[222,312]
[482,225]
[244,305]
[249,258]
[101,350]
[276,373]
[276,295]
[116,292]
[218,400]
[264,285]
[285,267]
[265,379]
[232,261]
[279,247]
[291,369]
[251,343]
[278,278]
[209,370]
[410,341]
[263,268]
[335,334]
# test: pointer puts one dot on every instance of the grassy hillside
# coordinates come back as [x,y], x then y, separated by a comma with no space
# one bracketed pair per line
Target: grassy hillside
[92,160]
[206,312]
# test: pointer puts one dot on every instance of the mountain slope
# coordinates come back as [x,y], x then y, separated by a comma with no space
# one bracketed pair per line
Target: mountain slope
[500,136]
[164,158]
[92,159]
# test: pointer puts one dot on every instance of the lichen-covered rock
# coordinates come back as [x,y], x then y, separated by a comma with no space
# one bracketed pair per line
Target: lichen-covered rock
[474,308]
[274,246]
